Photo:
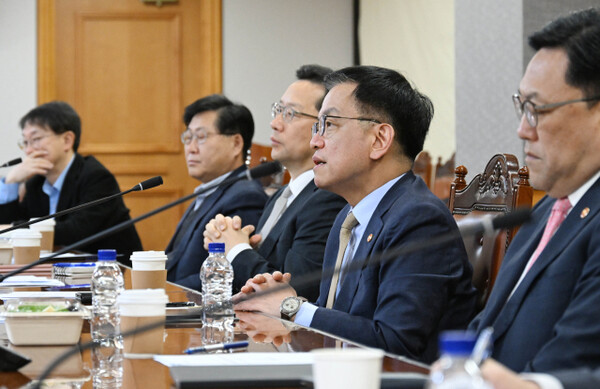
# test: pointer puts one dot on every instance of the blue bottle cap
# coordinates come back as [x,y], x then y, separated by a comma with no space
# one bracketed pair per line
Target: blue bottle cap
[216,247]
[107,255]
[457,342]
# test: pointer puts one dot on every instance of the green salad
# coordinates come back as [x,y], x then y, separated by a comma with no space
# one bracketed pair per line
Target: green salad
[41,308]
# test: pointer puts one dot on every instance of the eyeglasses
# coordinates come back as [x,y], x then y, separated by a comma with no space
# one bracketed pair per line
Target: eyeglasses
[531,110]
[323,126]
[33,143]
[199,135]
[288,113]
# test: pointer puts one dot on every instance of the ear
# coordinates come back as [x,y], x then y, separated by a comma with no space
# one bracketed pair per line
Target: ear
[69,140]
[238,144]
[383,141]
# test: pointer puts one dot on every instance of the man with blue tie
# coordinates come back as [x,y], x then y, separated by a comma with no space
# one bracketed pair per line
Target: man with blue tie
[217,138]
[296,221]
[544,305]
[371,127]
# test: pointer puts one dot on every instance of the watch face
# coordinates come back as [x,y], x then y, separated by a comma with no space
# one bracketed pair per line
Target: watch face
[290,304]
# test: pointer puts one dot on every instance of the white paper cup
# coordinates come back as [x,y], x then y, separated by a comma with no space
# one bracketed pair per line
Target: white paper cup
[140,307]
[148,270]
[26,245]
[46,228]
[6,252]
[352,368]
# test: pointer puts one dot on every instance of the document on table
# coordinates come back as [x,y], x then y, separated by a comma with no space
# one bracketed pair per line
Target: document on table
[33,281]
[236,359]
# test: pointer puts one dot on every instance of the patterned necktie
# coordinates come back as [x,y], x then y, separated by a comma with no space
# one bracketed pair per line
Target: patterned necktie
[557,216]
[276,212]
[349,223]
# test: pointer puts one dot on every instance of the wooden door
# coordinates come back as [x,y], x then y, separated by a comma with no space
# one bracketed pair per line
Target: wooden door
[129,68]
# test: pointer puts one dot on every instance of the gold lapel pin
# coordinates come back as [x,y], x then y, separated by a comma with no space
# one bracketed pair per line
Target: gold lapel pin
[370,237]
[584,212]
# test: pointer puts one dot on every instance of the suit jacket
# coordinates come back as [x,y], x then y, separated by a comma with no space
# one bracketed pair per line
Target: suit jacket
[297,241]
[243,198]
[86,180]
[402,303]
[552,321]
[582,378]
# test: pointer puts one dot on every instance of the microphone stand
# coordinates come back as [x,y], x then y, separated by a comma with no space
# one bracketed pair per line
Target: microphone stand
[150,183]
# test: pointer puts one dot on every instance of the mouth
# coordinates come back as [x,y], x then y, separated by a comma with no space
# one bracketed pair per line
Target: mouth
[274,142]
[318,161]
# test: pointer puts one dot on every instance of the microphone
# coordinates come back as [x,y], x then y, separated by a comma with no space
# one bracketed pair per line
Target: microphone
[150,183]
[263,170]
[487,224]
[508,220]
[12,162]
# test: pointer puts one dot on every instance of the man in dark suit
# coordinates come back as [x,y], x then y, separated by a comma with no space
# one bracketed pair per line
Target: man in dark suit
[544,305]
[371,127]
[56,178]
[292,240]
[217,139]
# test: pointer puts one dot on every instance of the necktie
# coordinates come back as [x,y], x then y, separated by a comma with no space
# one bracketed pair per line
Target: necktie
[349,223]
[276,212]
[559,213]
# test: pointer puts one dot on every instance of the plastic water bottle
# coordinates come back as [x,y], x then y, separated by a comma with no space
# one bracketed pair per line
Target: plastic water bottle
[455,369]
[107,356]
[217,279]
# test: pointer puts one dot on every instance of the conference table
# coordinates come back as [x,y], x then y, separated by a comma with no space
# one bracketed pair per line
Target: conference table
[264,334]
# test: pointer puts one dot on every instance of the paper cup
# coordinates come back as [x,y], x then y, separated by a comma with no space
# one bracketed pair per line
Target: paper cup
[148,270]
[6,252]
[352,368]
[46,228]
[140,307]
[26,245]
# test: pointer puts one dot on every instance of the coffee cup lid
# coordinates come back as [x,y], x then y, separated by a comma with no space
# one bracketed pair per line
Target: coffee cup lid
[25,233]
[148,256]
[143,296]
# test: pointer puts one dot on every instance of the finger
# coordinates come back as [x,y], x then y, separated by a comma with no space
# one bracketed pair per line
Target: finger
[287,277]
[255,240]
[258,279]
[248,229]
[220,222]
[236,222]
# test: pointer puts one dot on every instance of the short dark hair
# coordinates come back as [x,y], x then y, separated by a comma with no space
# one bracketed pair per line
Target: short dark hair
[58,116]
[315,74]
[386,95]
[577,33]
[231,118]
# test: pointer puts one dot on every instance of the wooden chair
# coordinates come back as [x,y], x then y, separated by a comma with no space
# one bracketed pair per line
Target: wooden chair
[424,168]
[444,173]
[501,188]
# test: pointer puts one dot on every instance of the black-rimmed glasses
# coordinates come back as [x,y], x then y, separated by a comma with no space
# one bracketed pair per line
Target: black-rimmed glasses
[287,113]
[530,110]
[322,126]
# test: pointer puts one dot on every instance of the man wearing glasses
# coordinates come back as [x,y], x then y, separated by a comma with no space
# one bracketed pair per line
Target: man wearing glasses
[217,138]
[56,178]
[544,305]
[371,127]
[295,224]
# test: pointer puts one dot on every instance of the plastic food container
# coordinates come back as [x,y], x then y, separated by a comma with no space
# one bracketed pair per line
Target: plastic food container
[44,321]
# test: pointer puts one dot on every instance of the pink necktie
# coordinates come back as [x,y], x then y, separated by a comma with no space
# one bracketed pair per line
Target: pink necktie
[559,213]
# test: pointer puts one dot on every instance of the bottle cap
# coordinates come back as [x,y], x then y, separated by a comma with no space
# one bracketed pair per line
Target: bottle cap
[107,255]
[216,247]
[457,342]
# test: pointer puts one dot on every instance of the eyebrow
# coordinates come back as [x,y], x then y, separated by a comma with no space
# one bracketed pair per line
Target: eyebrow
[528,96]
[331,110]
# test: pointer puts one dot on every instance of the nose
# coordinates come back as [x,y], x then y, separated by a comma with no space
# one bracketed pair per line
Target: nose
[525,130]
[277,123]
[317,142]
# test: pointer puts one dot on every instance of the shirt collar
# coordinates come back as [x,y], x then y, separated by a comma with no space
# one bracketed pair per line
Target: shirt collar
[298,184]
[214,182]
[60,180]
[578,194]
[365,207]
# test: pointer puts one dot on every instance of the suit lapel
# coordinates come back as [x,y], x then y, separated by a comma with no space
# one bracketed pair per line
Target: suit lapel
[271,242]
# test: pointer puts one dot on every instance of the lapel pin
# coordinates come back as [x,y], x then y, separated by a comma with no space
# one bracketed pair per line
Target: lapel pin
[584,212]
[370,237]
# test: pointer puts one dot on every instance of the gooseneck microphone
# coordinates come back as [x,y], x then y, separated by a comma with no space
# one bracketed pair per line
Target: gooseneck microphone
[149,183]
[262,170]
[12,162]
[472,226]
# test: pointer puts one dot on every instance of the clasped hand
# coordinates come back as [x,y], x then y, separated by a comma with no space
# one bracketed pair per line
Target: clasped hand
[264,293]
[229,230]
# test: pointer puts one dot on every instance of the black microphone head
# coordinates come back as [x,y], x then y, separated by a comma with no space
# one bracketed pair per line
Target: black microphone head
[149,183]
[512,219]
[265,169]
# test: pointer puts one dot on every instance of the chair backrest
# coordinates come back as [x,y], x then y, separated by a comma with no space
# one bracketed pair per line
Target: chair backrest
[424,168]
[501,188]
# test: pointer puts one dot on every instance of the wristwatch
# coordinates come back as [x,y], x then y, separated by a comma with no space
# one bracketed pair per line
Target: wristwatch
[290,306]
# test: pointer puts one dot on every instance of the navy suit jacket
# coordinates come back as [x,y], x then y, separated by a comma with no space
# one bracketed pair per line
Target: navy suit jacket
[297,241]
[86,180]
[582,378]
[552,321]
[243,198]
[401,304]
